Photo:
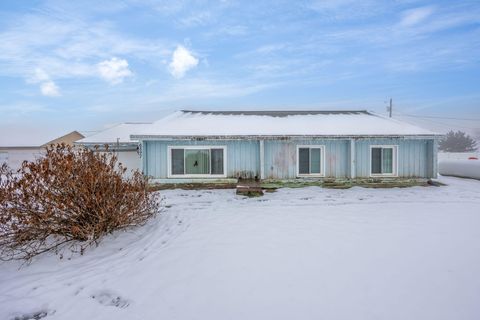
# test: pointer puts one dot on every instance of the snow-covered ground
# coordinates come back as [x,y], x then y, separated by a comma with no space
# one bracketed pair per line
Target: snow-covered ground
[307,253]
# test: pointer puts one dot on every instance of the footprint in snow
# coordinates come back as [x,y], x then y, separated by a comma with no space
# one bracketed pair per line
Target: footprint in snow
[33,316]
[77,292]
[110,299]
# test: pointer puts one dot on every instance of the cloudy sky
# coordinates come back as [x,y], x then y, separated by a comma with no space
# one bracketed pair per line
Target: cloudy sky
[85,65]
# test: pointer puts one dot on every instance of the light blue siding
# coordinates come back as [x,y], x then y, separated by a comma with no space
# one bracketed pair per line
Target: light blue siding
[412,157]
[416,157]
[281,157]
[243,156]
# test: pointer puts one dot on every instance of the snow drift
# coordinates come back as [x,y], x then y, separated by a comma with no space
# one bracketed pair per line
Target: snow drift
[306,253]
[460,168]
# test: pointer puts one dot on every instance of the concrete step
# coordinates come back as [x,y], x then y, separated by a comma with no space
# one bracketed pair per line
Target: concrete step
[249,188]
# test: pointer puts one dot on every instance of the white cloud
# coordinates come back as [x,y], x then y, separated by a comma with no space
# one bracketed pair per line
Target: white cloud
[345,9]
[182,61]
[197,19]
[69,48]
[49,89]
[114,70]
[228,31]
[40,75]
[47,86]
[266,49]
[193,90]
[415,16]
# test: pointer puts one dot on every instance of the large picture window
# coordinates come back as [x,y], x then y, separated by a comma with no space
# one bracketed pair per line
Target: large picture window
[195,161]
[310,161]
[383,160]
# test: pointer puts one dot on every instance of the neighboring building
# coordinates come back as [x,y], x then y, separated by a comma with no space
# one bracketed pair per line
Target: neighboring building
[118,140]
[16,152]
[281,145]
[68,139]
[13,156]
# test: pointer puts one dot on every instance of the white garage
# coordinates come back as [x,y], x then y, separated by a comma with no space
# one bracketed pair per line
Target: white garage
[15,152]
[117,138]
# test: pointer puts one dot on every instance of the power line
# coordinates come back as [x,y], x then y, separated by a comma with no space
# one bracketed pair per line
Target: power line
[447,125]
[437,117]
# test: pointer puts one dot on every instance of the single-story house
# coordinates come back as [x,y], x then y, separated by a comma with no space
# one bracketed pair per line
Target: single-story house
[118,140]
[15,151]
[198,146]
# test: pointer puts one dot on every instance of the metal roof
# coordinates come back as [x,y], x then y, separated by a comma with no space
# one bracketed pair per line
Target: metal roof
[277,123]
[117,135]
[276,113]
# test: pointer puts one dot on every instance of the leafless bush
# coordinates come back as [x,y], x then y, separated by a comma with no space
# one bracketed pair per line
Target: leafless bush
[69,198]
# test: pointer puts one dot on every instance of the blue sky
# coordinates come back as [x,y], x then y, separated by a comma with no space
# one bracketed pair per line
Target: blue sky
[84,65]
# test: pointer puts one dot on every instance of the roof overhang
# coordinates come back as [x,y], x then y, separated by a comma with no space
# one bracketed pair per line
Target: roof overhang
[112,146]
[281,137]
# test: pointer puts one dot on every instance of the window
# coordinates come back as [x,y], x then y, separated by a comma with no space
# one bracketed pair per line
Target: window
[178,161]
[383,160]
[310,161]
[195,161]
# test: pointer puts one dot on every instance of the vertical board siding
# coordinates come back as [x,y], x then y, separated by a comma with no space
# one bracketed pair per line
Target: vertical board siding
[243,157]
[416,157]
[413,159]
[281,158]
[432,158]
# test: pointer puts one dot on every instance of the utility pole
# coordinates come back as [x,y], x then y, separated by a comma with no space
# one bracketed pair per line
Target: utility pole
[390,108]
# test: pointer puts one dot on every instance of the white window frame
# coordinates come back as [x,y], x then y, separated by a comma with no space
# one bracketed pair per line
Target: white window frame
[394,160]
[322,159]
[190,147]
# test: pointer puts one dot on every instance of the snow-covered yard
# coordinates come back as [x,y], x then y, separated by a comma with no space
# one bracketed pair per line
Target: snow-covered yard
[307,253]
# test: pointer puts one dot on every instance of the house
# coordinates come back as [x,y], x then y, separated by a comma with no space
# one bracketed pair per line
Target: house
[117,139]
[198,146]
[15,152]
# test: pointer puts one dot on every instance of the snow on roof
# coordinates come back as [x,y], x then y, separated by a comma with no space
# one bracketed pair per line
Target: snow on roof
[278,123]
[34,137]
[119,133]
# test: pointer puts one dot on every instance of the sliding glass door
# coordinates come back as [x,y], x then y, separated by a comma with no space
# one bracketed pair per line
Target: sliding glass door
[196,161]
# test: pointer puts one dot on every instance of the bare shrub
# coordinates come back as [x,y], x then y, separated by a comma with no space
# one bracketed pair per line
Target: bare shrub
[69,198]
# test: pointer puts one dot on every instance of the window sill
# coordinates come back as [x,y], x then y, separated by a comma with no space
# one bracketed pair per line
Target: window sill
[199,176]
[388,175]
[320,175]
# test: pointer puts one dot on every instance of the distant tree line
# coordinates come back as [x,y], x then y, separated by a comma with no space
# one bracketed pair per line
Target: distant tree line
[457,142]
